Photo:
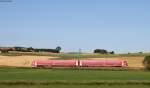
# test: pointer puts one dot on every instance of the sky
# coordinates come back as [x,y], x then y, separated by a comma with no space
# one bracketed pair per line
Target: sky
[115,25]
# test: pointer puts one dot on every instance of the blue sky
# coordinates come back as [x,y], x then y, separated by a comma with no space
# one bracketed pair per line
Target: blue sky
[119,25]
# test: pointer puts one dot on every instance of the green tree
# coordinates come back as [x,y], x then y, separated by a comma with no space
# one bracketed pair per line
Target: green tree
[58,48]
[100,51]
[146,62]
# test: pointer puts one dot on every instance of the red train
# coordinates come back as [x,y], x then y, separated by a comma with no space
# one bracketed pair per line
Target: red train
[103,63]
[55,63]
[80,63]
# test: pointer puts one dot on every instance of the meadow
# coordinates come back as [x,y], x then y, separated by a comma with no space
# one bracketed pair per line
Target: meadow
[77,56]
[32,74]
[74,86]
[75,78]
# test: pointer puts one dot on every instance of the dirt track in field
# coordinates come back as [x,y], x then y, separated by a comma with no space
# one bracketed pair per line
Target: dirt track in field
[135,62]
[20,61]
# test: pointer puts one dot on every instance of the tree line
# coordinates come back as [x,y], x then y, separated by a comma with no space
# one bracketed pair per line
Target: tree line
[56,50]
[29,49]
[103,51]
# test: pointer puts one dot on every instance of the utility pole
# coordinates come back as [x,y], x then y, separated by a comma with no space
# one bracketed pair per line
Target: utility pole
[79,55]
[80,50]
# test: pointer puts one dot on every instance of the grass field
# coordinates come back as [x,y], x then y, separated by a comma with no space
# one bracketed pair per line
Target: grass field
[74,78]
[19,74]
[68,56]
[74,86]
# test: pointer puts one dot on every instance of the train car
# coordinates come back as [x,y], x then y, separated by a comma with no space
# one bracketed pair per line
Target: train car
[103,63]
[55,63]
[79,63]
[42,63]
[64,63]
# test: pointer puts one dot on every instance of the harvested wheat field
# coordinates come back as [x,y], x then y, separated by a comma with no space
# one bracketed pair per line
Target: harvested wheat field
[21,61]
[135,62]
[25,61]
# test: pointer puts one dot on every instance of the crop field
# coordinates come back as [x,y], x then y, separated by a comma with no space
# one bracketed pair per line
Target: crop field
[25,59]
[75,78]
[21,61]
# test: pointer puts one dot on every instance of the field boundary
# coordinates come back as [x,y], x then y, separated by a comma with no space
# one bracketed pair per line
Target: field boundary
[68,56]
[83,68]
[134,82]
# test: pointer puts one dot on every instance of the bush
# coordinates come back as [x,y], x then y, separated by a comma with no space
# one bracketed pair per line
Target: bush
[112,52]
[146,62]
[100,51]
[58,48]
